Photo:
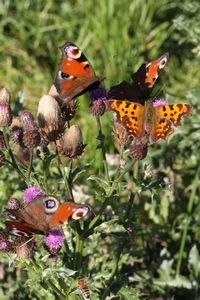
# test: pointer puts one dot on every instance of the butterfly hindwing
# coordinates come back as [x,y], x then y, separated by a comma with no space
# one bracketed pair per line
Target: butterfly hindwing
[173,112]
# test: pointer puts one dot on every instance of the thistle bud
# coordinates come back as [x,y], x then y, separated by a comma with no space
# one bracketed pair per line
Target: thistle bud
[97,101]
[2,141]
[24,247]
[138,149]
[49,118]
[2,159]
[68,110]
[121,135]
[22,154]
[31,135]
[71,144]
[5,110]
[13,203]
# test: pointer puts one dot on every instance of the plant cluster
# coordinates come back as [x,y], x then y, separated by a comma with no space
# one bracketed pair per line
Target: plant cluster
[116,247]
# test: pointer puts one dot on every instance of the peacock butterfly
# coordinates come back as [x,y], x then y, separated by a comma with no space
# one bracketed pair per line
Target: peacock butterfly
[75,75]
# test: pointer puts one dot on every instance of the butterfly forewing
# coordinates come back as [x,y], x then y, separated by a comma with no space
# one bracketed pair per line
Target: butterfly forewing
[173,112]
[153,68]
[75,73]
[130,115]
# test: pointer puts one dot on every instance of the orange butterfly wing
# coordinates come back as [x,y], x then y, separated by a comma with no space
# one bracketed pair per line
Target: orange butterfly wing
[153,68]
[166,116]
[154,122]
[75,73]
[130,115]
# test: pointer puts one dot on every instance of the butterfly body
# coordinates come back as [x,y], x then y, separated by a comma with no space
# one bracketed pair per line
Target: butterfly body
[43,214]
[75,74]
[148,120]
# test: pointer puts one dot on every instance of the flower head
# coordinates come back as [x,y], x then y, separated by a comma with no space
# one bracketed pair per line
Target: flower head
[139,148]
[53,241]
[2,140]
[4,242]
[24,247]
[159,102]
[31,193]
[50,118]
[71,144]
[31,135]
[2,159]
[97,101]
[13,203]
[120,134]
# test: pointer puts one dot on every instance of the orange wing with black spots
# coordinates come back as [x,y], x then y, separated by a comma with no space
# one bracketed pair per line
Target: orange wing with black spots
[130,115]
[155,122]
[173,112]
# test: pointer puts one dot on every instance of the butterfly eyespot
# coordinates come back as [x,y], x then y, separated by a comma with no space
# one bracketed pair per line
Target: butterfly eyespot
[66,76]
[80,212]
[72,52]
[51,204]
[163,62]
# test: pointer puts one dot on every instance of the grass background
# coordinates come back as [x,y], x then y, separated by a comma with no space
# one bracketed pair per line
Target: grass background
[117,36]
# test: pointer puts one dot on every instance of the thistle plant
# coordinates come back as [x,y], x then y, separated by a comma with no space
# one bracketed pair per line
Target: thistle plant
[87,258]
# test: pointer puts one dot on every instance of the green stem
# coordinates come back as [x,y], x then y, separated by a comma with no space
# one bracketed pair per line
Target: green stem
[78,252]
[94,221]
[103,149]
[186,225]
[120,159]
[66,178]
[114,271]
[30,167]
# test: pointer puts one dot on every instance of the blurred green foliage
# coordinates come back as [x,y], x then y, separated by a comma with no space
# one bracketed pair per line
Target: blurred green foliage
[149,248]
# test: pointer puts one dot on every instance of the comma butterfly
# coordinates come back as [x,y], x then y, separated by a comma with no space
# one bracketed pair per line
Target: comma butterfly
[75,75]
[154,122]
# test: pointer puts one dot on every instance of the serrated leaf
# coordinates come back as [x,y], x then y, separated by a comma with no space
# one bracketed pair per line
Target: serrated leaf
[194,260]
[111,226]
[129,293]
[101,182]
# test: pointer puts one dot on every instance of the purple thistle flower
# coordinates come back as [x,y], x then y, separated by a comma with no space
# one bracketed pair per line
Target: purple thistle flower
[4,243]
[4,246]
[53,241]
[159,102]
[98,93]
[97,101]
[31,193]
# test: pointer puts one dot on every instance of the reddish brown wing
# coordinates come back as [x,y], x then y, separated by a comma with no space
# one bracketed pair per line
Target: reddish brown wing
[43,214]
[147,74]
[75,75]
[34,217]
[17,228]
[143,80]
[68,211]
